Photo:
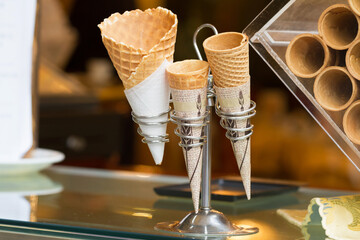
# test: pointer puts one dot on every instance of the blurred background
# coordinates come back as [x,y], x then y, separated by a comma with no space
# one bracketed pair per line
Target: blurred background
[83,111]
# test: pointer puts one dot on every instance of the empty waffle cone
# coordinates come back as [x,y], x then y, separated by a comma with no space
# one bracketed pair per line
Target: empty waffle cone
[233,100]
[351,122]
[187,74]
[307,55]
[228,57]
[141,45]
[352,59]
[355,6]
[335,89]
[188,81]
[339,26]
[139,41]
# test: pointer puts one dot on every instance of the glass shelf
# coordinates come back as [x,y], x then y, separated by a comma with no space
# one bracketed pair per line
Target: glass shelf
[92,204]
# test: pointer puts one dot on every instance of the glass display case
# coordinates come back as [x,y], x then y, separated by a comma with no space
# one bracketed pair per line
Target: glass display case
[270,34]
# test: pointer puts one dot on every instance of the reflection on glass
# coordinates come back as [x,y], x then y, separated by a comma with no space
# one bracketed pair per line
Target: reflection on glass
[14,207]
[19,195]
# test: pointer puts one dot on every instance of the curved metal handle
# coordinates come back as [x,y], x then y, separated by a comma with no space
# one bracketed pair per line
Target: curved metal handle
[206,25]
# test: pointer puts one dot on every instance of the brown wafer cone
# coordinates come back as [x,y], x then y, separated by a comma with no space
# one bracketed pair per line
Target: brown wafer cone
[188,80]
[352,59]
[351,122]
[355,6]
[138,42]
[335,89]
[228,56]
[339,26]
[307,55]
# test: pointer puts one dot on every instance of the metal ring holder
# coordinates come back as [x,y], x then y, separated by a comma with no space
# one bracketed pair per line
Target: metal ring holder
[207,221]
[190,122]
[244,115]
[151,121]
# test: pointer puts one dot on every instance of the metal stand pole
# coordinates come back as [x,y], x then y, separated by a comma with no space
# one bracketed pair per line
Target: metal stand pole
[206,166]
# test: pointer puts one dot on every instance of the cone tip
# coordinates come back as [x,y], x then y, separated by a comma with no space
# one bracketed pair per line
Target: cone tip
[247,187]
[248,195]
[157,152]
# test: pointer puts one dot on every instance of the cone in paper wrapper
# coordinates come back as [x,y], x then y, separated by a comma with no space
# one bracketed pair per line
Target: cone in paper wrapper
[141,45]
[237,99]
[188,80]
[151,98]
[228,56]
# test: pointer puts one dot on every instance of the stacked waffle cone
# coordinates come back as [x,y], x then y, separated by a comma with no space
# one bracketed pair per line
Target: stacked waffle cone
[140,45]
[228,57]
[329,62]
[188,81]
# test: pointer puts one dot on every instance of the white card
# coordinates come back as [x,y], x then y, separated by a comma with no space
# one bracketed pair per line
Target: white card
[17,19]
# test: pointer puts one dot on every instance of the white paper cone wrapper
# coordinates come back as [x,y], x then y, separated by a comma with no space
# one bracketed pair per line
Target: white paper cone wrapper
[151,98]
[237,99]
[191,103]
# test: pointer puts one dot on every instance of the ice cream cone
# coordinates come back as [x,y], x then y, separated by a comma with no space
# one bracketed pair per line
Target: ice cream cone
[335,89]
[307,55]
[188,80]
[131,37]
[355,6]
[228,56]
[351,122]
[339,26]
[231,100]
[352,59]
[141,45]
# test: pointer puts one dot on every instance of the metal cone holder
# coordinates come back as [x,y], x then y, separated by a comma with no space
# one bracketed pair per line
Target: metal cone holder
[207,221]
[241,133]
[151,121]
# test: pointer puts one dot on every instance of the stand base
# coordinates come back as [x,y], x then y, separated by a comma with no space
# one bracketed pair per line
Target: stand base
[206,222]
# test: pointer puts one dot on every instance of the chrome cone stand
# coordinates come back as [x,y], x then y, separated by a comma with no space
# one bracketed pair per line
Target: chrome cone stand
[207,221]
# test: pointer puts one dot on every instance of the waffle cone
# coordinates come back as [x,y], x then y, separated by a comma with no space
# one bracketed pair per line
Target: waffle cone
[188,104]
[335,89]
[138,42]
[234,100]
[339,26]
[307,55]
[187,80]
[351,59]
[187,74]
[228,56]
[350,122]
[355,6]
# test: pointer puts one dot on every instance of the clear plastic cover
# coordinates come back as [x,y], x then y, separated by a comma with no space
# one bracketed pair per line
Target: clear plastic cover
[270,34]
